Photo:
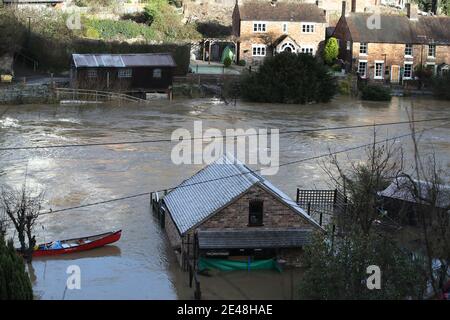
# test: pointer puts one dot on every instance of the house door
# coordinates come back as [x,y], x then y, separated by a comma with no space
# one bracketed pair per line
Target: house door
[395,74]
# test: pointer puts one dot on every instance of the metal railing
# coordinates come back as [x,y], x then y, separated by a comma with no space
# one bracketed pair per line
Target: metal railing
[94,95]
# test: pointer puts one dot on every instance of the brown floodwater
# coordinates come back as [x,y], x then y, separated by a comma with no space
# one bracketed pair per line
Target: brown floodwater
[141,265]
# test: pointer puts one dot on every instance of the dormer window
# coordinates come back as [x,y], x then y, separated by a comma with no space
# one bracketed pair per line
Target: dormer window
[255,215]
[259,26]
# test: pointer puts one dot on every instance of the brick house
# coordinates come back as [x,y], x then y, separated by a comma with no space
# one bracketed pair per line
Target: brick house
[392,51]
[265,28]
[228,210]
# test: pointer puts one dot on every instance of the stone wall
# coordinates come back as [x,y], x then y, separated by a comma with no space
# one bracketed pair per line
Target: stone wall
[20,94]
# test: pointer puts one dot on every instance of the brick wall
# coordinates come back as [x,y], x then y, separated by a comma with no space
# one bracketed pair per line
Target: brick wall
[273,32]
[394,54]
[276,213]
[236,216]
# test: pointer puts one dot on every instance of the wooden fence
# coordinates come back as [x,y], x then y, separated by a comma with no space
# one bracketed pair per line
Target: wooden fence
[199,79]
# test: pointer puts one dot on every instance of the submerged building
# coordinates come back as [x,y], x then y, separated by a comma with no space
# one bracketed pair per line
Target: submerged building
[227,210]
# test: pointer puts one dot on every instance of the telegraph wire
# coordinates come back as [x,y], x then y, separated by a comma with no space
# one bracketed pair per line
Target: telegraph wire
[111,143]
[346,150]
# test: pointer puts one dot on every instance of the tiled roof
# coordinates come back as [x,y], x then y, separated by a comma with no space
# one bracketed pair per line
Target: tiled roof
[281,11]
[253,238]
[124,60]
[215,186]
[399,29]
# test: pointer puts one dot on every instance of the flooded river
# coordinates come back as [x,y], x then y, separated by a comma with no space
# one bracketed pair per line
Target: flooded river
[140,265]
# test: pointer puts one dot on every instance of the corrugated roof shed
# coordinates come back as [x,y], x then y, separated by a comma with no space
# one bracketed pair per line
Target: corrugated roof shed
[254,238]
[402,189]
[123,60]
[399,29]
[281,11]
[215,186]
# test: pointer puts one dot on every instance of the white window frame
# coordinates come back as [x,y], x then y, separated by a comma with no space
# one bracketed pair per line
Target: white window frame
[307,49]
[125,73]
[411,72]
[308,27]
[380,77]
[434,51]
[259,26]
[284,27]
[261,47]
[92,73]
[157,73]
[365,69]
[411,50]
[366,45]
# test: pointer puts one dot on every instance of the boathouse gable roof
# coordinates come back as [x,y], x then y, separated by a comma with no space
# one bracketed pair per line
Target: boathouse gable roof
[215,187]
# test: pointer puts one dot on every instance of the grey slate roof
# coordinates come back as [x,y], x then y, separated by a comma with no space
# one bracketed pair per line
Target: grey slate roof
[401,189]
[281,11]
[124,60]
[400,29]
[215,186]
[253,238]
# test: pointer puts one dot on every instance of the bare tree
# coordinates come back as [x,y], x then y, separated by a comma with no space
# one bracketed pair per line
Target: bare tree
[22,207]
[432,209]
[362,181]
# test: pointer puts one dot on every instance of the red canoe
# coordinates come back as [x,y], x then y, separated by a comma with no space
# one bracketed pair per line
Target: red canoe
[77,244]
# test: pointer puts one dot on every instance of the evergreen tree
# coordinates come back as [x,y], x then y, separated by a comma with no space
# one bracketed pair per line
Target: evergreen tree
[290,78]
[331,51]
[14,281]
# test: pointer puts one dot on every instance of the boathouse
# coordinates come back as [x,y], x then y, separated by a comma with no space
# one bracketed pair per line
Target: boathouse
[139,73]
[228,211]
[404,196]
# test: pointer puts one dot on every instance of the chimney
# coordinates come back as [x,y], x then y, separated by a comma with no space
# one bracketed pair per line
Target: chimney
[344,4]
[412,11]
[353,6]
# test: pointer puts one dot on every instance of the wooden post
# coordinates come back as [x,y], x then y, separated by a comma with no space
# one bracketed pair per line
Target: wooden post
[209,53]
[298,194]
[197,293]
[320,222]
[191,276]
[309,208]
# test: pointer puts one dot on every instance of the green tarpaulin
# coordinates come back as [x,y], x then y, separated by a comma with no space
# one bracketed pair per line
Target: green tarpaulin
[230,265]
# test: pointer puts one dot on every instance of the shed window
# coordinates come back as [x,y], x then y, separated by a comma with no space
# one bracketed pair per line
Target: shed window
[156,73]
[92,73]
[255,213]
[125,73]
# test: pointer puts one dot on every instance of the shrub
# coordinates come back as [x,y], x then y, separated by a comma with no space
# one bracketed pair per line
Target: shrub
[290,78]
[331,51]
[227,62]
[441,86]
[14,281]
[375,93]
[241,63]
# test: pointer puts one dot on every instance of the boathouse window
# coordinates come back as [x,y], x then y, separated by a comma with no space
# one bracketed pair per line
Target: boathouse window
[255,213]
[125,73]
[92,73]
[157,73]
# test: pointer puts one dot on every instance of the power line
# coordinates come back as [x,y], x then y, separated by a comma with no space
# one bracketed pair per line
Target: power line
[221,136]
[346,150]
